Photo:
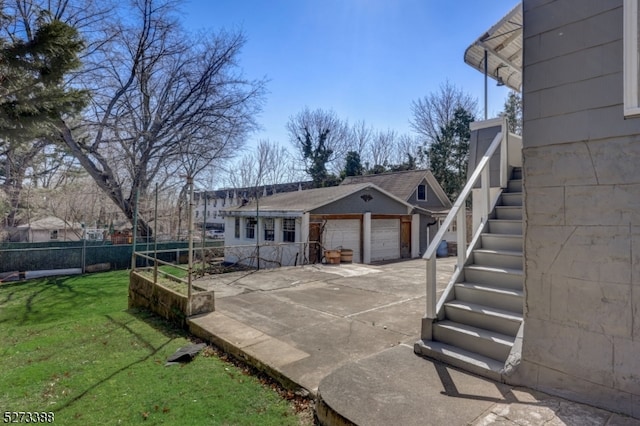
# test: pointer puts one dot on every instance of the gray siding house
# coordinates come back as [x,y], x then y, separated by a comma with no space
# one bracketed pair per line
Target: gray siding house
[420,189]
[549,296]
[297,227]
[581,157]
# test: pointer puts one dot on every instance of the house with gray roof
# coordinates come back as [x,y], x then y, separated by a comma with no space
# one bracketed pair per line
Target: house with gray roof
[297,227]
[420,189]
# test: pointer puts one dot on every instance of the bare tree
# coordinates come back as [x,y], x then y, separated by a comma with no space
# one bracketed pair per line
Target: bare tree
[159,97]
[435,111]
[381,150]
[267,164]
[407,145]
[322,140]
[361,137]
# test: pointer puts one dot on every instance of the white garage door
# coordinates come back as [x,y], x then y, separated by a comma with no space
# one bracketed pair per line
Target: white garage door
[385,239]
[344,233]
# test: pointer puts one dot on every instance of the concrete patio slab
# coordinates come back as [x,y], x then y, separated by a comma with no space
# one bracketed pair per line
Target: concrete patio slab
[344,334]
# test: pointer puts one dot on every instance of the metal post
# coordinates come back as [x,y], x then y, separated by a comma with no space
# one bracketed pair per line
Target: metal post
[135,232]
[190,256]
[486,84]
[257,231]
[204,230]
[155,239]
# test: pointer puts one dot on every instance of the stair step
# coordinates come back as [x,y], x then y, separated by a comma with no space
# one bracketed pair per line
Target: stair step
[481,294]
[505,226]
[494,276]
[473,339]
[501,242]
[511,199]
[498,320]
[509,212]
[511,259]
[516,173]
[514,185]
[475,363]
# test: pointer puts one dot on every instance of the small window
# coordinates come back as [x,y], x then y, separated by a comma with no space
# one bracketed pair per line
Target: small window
[250,228]
[422,193]
[197,213]
[236,230]
[289,230]
[53,235]
[269,229]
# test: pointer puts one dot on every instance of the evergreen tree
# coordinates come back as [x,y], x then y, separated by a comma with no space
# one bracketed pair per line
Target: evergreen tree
[449,153]
[513,112]
[353,165]
[32,82]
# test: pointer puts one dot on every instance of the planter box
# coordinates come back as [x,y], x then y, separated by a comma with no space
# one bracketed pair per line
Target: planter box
[168,304]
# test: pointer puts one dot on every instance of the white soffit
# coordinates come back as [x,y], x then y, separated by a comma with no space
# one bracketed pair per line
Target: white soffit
[503,43]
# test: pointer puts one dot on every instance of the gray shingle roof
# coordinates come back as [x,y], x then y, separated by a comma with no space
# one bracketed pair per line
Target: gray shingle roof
[306,200]
[401,184]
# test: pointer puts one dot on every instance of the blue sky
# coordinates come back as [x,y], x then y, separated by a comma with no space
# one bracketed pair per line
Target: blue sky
[365,59]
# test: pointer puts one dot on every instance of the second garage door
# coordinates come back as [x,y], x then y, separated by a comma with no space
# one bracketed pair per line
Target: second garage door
[385,239]
[344,233]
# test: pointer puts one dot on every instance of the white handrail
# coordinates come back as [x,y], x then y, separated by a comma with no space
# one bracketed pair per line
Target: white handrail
[458,211]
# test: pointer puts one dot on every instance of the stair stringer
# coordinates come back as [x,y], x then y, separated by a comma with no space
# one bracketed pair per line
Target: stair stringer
[458,275]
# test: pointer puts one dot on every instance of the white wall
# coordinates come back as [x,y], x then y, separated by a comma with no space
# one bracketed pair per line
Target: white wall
[272,253]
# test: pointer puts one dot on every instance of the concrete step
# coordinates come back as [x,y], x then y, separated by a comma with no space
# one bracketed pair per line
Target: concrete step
[501,242]
[494,276]
[509,212]
[505,226]
[511,199]
[473,339]
[469,361]
[481,294]
[482,316]
[516,173]
[511,259]
[514,185]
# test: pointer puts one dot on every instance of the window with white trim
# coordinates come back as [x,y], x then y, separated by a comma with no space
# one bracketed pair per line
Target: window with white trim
[250,228]
[421,193]
[289,230]
[631,68]
[269,229]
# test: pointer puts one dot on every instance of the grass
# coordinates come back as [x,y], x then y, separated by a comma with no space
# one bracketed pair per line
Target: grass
[70,346]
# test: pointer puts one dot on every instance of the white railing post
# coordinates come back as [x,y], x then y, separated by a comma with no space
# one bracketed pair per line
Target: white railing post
[431,288]
[485,195]
[504,157]
[461,229]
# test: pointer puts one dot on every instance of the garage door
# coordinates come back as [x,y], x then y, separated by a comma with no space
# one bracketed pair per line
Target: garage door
[343,233]
[385,239]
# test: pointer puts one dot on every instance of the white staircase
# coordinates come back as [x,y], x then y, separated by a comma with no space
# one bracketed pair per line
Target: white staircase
[477,324]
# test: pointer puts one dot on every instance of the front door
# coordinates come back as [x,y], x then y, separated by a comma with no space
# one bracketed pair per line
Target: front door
[314,245]
[405,239]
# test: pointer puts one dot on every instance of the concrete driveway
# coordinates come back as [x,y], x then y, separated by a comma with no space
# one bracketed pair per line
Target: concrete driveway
[304,322]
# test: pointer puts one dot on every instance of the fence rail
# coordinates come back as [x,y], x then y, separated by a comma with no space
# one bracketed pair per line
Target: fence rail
[19,257]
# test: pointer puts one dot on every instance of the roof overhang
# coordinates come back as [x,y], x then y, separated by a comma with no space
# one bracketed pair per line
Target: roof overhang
[503,46]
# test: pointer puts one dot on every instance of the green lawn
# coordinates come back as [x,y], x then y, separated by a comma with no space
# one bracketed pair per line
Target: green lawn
[71,347]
